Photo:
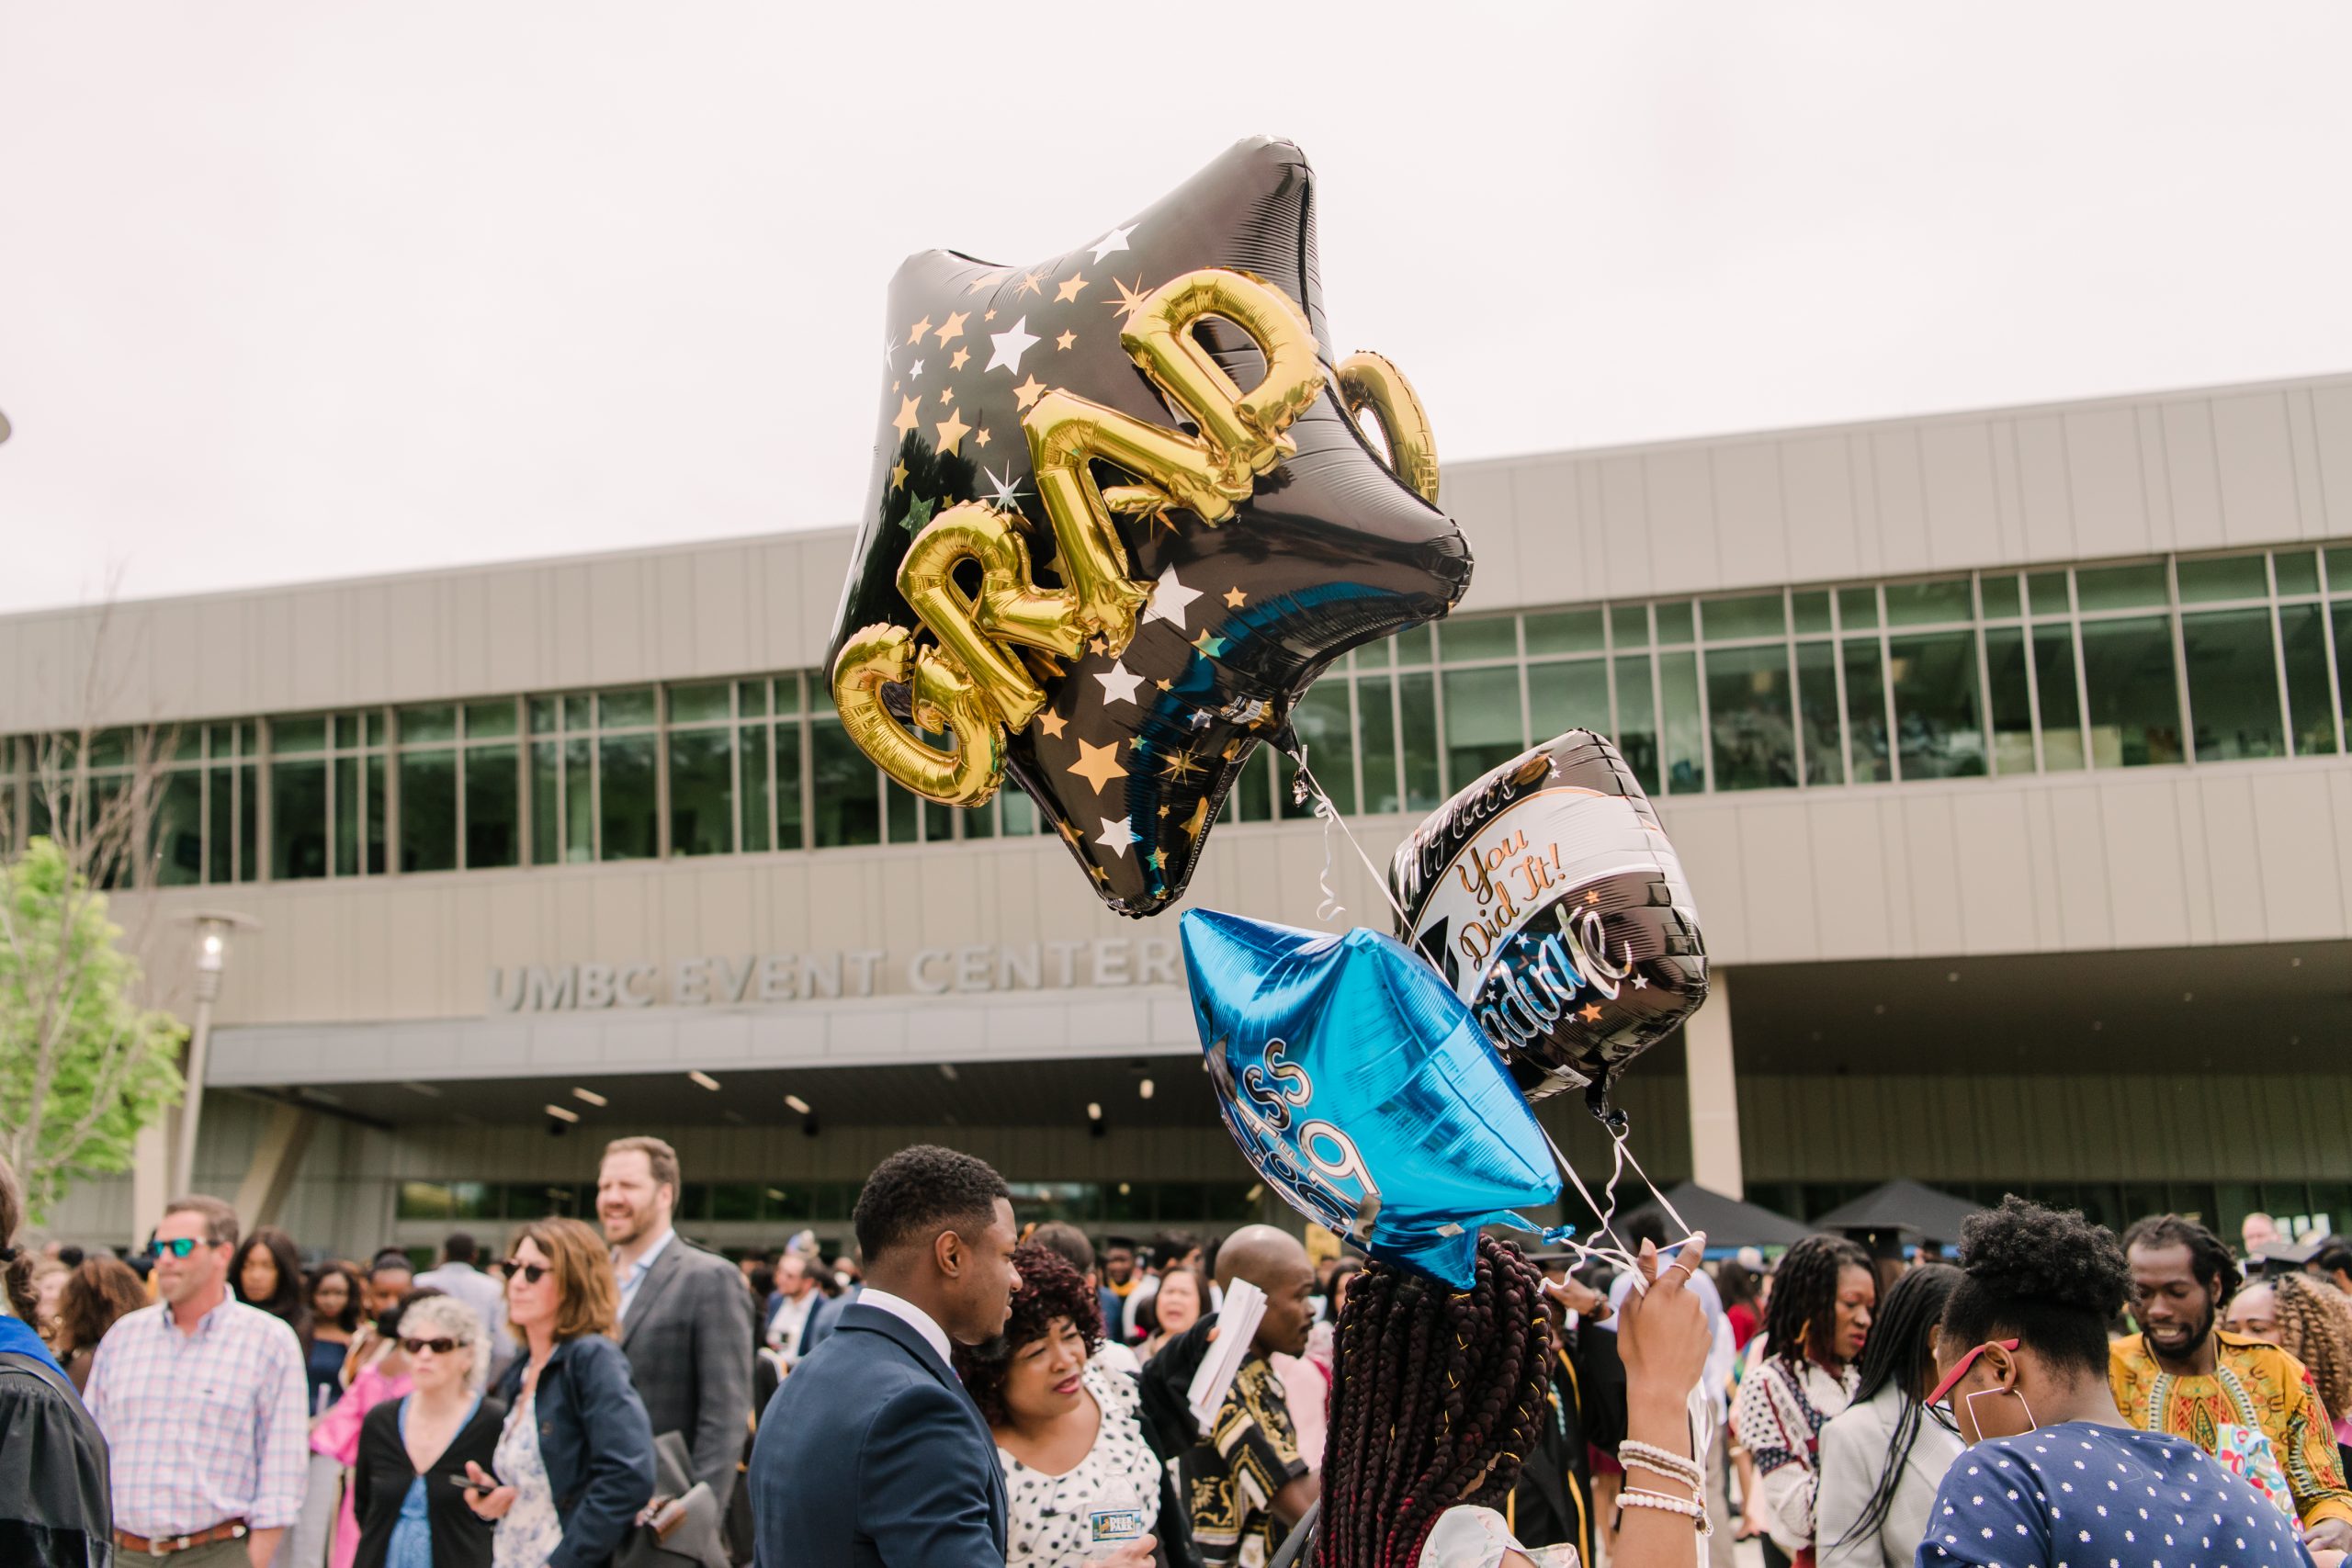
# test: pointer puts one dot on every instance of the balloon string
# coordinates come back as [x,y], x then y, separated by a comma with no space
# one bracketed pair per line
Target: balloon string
[1330,815]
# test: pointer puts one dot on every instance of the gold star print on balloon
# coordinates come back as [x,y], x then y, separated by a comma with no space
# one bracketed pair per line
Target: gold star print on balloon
[1040,480]
[1589,1013]
[1098,766]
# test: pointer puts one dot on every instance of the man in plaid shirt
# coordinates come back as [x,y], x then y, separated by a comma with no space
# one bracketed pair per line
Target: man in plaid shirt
[203,1404]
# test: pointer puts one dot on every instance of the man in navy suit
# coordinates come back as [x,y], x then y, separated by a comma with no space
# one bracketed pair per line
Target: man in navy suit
[871,1455]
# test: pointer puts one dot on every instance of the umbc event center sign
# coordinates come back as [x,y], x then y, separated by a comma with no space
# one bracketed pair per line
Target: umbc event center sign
[767,980]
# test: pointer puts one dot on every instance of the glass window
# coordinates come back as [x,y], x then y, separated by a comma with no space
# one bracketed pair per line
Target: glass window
[1413,645]
[620,710]
[1927,603]
[1636,734]
[1812,610]
[899,810]
[248,810]
[2233,683]
[178,828]
[848,798]
[1251,796]
[1939,714]
[1482,723]
[702,790]
[1491,636]
[2060,698]
[2304,640]
[1565,631]
[759,810]
[547,820]
[1375,711]
[2232,577]
[429,810]
[2010,700]
[2298,570]
[1755,615]
[1866,711]
[1857,608]
[579,713]
[1675,623]
[487,720]
[547,716]
[1748,712]
[1568,695]
[1378,655]
[298,818]
[939,822]
[626,808]
[2002,601]
[1684,740]
[689,705]
[2046,592]
[1017,813]
[788,835]
[289,735]
[2133,702]
[346,816]
[2121,587]
[493,805]
[1320,720]
[434,721]
[1416,702]
[221,826]
[751,698]
[1825,762]
[1630,625]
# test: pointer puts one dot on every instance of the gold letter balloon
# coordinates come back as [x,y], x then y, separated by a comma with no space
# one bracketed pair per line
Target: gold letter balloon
[1122,514]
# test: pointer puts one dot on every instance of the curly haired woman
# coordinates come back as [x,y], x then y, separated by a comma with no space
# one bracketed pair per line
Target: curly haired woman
[2311,1322]
[1076,1467]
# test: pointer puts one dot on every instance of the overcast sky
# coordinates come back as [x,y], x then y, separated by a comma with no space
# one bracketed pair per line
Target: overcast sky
[294,291]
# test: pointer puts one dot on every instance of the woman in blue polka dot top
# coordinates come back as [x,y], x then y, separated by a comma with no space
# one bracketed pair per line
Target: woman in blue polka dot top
[2054,1478]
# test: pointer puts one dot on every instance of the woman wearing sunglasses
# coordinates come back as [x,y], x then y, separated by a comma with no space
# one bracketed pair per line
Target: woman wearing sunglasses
[574,1461]
[410,1516]
[2054,1475]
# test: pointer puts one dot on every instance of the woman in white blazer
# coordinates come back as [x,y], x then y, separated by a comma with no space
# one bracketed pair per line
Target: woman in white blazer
[1882,1457]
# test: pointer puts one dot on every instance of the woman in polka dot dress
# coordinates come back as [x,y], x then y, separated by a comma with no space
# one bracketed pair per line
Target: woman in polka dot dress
[2053,1478]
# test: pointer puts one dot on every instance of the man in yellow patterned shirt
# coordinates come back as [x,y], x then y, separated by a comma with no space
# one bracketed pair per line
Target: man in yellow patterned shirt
[2250,1404]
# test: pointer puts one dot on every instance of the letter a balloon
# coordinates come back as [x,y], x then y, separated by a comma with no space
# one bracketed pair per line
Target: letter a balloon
[1121,514]
[1361,1089]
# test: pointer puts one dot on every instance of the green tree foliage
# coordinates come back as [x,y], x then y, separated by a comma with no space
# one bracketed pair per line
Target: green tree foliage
[82,1065]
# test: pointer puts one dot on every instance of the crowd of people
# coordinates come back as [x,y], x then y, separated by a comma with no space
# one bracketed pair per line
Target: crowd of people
[957,1391]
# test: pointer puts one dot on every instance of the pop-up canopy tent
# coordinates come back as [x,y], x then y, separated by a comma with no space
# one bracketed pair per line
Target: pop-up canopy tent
[1887,1216]
[1729,1223]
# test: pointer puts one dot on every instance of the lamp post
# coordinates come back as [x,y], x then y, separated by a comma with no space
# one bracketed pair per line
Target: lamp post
[213,929]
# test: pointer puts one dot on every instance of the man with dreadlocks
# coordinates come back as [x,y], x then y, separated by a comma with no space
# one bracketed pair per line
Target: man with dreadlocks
[2251,1406]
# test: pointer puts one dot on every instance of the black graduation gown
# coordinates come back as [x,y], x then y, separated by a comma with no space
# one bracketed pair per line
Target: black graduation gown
[54,1509]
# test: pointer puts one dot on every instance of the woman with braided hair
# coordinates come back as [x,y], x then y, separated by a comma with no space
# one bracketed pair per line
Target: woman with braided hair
[2311,1322]
[1814,1325]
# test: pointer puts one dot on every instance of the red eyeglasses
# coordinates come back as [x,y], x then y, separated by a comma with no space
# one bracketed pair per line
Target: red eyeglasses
[1959,1369]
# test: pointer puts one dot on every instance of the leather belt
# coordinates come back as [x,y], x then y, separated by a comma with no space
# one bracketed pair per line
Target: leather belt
[164,1546]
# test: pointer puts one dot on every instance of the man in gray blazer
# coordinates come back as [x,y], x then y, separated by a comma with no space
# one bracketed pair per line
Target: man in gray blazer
[686,1316]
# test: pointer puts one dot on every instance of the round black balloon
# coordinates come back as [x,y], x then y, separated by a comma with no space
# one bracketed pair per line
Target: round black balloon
[1548,894]
[1135,749]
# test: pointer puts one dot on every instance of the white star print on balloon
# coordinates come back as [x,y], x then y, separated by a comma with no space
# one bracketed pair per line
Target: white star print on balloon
[1010,346]
[1118,683]
[1117,835]
[1113,242]
[1169,600]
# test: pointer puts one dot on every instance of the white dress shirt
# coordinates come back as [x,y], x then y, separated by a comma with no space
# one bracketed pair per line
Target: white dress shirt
[906,1312]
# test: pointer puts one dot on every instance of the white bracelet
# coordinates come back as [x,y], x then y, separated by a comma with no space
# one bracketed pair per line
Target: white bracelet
[1660,1462]
[1689,1507]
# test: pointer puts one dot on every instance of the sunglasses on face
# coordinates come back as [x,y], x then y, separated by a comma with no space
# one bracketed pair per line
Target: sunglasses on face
[438,1347]
[1960,1368]
[532,1273]
[179,1246]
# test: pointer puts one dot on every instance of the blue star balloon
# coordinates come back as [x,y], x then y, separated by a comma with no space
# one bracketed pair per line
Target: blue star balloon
[1362,1090]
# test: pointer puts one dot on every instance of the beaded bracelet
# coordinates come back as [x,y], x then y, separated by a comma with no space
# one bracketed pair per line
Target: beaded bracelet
[1661,1463]
[1689,1507]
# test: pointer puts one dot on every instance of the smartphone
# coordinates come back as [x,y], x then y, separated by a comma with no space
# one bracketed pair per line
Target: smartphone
[466,1483]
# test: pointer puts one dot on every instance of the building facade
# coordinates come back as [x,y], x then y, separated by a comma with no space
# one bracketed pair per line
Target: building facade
[2005,753]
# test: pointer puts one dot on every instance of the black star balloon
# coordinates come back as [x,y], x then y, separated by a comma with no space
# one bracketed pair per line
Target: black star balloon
[1123,513]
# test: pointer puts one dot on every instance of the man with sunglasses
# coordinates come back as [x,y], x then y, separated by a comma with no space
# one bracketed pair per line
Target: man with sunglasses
[203,1402]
